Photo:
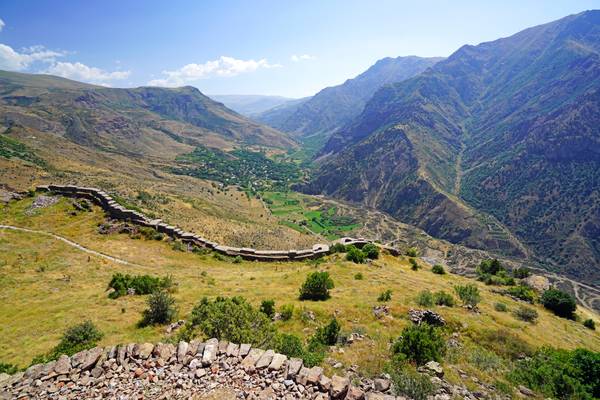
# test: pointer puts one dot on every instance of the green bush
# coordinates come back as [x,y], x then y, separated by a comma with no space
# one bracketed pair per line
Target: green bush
[409,383]
[503,342]
[316,286]
[161,309]
[420,344]
[287,311]
[267,307]
[490,266]
[526,314]
[232,319]
[559,302]
[414,265]
[238,260]
[359,276]
[468,294]
[412,252]
[338,248]
[501,278]
[521,292]
[483,359]
[8,368]
[355,255]
[328,334]
[521,273]
[425,298]
[290,345]
[371,251]
[442,298]
[560,374]
[141,284]
[590,324]
[386,295]
[78,337]
[438,269]
[500,307]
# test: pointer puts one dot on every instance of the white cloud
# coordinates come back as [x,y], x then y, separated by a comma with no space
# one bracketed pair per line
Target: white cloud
[13,60]
[222,67]
[1,24]
[82,72]
[302,57]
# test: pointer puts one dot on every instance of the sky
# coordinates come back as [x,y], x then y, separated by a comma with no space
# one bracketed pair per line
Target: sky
[284,47]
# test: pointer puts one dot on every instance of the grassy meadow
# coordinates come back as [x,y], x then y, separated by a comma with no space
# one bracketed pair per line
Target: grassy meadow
[47,285]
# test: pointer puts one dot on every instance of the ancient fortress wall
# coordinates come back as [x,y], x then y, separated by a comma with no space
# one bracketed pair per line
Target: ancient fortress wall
[117,211]
[184,371]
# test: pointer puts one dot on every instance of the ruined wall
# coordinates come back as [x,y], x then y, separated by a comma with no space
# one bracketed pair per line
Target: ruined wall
[117,211]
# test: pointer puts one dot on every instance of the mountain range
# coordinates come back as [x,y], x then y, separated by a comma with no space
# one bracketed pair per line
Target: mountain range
[497,145]
[333,107]
[251,104]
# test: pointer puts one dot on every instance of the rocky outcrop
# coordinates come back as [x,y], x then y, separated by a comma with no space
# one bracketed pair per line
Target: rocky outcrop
[167,371]
[117,211]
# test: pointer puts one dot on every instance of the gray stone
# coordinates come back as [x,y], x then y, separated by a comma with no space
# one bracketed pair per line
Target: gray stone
[293,367]
[223,346]
[253,356]
[526,391]
[244,349]
[381,385]
[164,351]
[232,350]
[182,349]
[91,358]
[200,373]
[265,359]
[144,350]
[435,368]
[325,383]
[277,362]
[339,386]
[210,352]
[355,393]
[121,355]
[63,365]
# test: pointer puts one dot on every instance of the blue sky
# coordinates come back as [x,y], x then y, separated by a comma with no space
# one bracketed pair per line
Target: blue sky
[285,47]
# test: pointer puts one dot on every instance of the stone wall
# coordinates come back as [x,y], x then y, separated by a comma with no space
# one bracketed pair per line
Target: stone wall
[183,371]
[117,211]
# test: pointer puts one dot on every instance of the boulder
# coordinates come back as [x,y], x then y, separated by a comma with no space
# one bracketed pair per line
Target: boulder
[164,351]
[277,362]
[91,358]
[381,385]
[265,359]
[434,368]
[182,349]
[244,349]
[253,356]
[232,350]
[144,350]
[325,383]
[355,393]
[210,352]
[293,367]
[63,365]
[309,376]
[339,386]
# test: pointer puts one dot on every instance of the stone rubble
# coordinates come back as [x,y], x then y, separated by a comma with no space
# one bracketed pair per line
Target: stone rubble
[420,316]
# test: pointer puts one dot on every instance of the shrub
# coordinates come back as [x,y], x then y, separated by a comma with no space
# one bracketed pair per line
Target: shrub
[589,323]
[338,248]
[287,311]
[141,284]
[237,260]
[559,302]
[412,252]
[371,251]
[490,266]
[438,269]
[232,319]
[442,298]
[328,334]
[468,294]
[316,286]
[267,307]
[161,309]
[355,255]
[290,345]
[484,359]
[425,298]
[521,273]
[560,374]
[413,264]
[420,344]
[385,295]
[521,292]
[359,276]
[500,307]
[502,342]
[526,314]
[8,368]
[78,337]
[408,382]
[501,278]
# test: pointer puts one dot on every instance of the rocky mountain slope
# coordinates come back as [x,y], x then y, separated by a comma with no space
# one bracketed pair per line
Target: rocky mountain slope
[335,106]
[498,144]
[140,121]
[251,104]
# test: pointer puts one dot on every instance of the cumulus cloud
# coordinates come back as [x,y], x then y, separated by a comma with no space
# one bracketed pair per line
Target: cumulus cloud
[302,57]
[13,60]
[221,67]
[1,24]
[82,72]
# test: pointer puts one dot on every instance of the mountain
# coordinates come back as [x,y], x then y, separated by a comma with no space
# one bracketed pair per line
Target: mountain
[142,121]
[333,107]
[250,104]
[498,145]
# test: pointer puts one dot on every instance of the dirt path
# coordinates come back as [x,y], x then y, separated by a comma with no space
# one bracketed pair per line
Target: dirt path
[72,244]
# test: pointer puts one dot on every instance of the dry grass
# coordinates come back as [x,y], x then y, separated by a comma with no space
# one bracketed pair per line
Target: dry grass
[46,286]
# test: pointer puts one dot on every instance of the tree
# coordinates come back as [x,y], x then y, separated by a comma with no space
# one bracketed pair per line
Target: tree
[491,266]
[438,269]
[355,255]
[468,294]
[559,302]
[371,251]
[267,307]
[161,309]
[420,344]
[316,286]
